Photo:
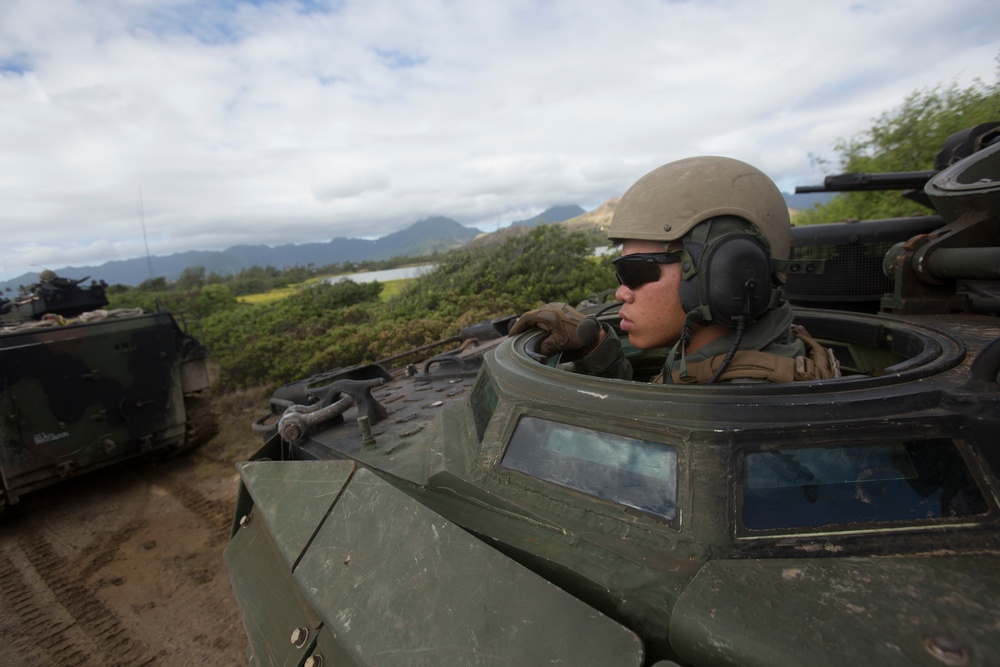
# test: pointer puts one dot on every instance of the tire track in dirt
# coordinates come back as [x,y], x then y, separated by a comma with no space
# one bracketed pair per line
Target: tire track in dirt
[30,621]
[123,567]
[55,612]
[216,515]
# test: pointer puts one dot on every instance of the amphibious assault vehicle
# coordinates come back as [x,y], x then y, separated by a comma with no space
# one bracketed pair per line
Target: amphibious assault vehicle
[482,507]
[84,387]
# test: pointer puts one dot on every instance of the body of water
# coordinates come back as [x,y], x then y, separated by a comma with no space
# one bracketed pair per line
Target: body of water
[384,276]
[416,271]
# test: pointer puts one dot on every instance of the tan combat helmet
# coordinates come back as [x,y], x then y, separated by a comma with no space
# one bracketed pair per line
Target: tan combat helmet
[734,227]
[668,202]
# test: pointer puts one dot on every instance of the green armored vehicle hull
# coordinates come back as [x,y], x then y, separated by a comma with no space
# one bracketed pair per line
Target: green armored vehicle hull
[483,508]
[84,393]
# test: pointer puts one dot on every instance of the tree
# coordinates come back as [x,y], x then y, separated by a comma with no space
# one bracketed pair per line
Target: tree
[158,284]
[905,139]
[191,278]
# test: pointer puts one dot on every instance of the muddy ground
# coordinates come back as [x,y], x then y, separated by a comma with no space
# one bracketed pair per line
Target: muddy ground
[124,566]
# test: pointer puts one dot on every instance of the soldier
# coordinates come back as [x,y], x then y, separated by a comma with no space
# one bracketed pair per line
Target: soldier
[49,283]
[705,243]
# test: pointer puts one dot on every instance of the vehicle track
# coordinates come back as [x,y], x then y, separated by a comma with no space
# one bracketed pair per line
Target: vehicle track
[121,567]
[50,605]
[216,514]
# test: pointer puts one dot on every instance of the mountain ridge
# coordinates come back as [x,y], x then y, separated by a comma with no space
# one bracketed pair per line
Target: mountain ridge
[421,238]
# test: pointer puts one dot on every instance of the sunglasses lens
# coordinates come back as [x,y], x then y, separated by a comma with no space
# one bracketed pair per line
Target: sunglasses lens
[634,273]
[640,268]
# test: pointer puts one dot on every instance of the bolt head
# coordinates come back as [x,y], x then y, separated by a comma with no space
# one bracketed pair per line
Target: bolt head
[299,637]
[947,650]
[291,432]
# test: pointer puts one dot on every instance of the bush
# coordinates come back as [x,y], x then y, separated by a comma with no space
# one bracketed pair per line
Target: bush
[191,305]
[526,270]
[327,326]
[278,341]
[905,139]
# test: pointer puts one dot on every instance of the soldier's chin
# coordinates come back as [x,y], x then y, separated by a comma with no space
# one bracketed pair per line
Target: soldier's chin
[637,341]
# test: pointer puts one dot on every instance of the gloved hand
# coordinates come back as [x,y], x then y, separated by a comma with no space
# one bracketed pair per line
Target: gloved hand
[562,322]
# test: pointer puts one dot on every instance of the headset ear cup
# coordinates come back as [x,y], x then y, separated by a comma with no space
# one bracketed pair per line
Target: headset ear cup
[735,279]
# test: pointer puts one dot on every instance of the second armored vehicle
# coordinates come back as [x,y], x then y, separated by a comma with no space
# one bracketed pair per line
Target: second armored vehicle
[83,387]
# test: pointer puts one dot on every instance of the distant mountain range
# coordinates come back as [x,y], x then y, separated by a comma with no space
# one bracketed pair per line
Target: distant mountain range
[435,234]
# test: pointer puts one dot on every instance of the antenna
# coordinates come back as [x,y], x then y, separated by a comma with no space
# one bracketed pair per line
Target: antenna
[142,218]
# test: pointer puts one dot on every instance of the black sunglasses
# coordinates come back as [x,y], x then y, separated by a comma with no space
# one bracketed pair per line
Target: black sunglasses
[640,268]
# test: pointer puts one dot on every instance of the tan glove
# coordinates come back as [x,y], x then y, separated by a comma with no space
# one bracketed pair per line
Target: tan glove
[561,321]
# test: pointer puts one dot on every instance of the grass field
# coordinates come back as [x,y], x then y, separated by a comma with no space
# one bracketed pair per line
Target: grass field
[390,288]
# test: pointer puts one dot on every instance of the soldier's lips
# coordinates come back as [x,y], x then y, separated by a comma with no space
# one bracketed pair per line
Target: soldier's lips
[626,324]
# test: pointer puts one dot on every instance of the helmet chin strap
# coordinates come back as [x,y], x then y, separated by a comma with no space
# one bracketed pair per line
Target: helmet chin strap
[693,317]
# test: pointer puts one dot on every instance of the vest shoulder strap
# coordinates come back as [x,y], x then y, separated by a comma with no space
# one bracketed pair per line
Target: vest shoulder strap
[818,363]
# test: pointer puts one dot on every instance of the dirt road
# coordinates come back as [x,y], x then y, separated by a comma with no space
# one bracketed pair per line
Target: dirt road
[124,566]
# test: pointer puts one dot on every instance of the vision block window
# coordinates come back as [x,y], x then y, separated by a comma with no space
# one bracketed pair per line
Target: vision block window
[484,402]
[826,486]
[635,473]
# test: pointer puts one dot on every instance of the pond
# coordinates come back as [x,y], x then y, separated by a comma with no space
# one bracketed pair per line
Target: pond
[406,272]
[401,273]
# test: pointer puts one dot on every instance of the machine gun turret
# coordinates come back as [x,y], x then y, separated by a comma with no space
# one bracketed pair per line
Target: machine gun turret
[956,147]
[943,263]
[64,297]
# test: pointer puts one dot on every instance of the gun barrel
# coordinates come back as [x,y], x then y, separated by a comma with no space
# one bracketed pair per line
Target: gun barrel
[964,263]
[900,180]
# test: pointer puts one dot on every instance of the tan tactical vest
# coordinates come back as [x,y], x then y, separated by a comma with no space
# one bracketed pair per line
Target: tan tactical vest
[819,363]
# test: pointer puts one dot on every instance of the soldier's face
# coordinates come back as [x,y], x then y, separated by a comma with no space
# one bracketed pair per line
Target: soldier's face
[652,315]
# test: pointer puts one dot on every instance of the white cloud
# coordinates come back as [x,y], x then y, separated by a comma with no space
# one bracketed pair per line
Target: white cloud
[276,122]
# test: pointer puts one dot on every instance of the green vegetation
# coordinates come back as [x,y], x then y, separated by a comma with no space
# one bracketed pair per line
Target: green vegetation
[525,270]
[320,326]
[905,139]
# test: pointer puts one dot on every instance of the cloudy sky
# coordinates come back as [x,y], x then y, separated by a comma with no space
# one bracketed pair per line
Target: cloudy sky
[270,122]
